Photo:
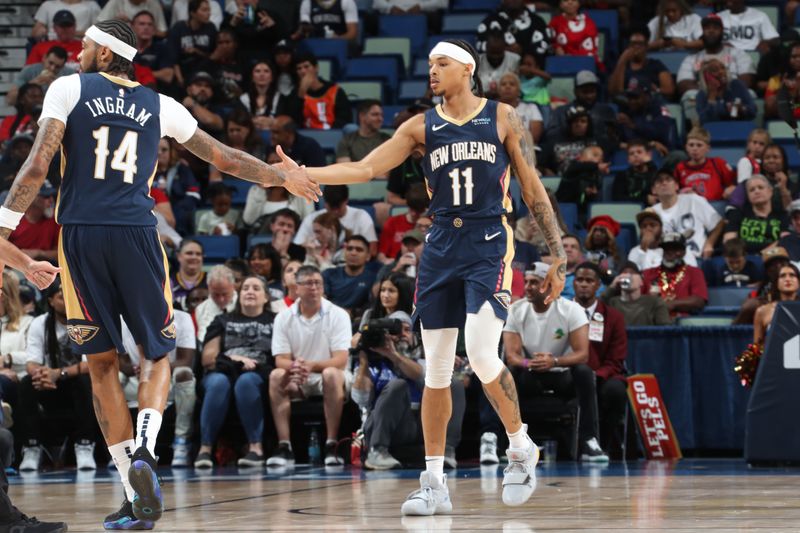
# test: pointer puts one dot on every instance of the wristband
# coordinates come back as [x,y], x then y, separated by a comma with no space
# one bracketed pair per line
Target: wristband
[9,219]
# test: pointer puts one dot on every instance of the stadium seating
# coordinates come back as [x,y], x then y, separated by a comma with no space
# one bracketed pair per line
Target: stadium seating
[362,90]
[414,27]
[389,46]
[386,68]
[327,139]
[461,22]
[570,65]
[474,5]
[218,248]
[726,300]
[335,49]
[240,188]
[622,212]
[411,90]
[671,60]
[729,133]
[371,191]
[607,22]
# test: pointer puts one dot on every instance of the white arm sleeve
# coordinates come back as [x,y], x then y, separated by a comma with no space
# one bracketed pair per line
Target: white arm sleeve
[61,98]
[176,121]
[350,11]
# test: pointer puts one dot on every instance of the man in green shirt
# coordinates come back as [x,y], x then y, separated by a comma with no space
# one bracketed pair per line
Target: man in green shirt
[355,146]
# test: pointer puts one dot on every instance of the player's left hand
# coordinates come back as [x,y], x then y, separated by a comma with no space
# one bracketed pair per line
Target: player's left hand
[297,180]
[554,282]
[41,273]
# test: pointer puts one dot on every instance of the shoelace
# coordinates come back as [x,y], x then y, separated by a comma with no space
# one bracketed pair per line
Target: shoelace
[515,467]
[29,519]
[424,493]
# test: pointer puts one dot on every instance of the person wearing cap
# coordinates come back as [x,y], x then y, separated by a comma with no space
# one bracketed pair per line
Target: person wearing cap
[464,279]
[648,253]
[193,41]
[675,27]
[625,294]
[575,33]
[395,228]
[52,67]
[157,55]
[547,348]
[642,116]
[37,233]
[633,183]
[125,10]
[737,62]
[199,100]
[84,11]
[634,62]
[601,244]
[64,26]
[720,98]
[407,259]
[349,286]
[682,287]
[758,223]
[689,213]
[791,242]
[587,90]
[747,28]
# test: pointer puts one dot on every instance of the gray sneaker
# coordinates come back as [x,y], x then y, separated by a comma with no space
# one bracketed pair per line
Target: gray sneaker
[432,497]
[489,449]
[519,477]
[380,459]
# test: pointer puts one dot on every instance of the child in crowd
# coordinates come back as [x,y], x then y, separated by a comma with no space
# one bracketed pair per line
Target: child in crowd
[750,164]
[534,79]
[221,220]
[633,183]
[710,177]
[735,271]
[575,34]
[581,181]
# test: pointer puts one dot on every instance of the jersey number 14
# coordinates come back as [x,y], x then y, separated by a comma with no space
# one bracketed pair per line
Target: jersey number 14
[124,159]
[455,175]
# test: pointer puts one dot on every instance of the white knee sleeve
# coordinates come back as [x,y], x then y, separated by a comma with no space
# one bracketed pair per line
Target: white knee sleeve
[482,337]
[440,356]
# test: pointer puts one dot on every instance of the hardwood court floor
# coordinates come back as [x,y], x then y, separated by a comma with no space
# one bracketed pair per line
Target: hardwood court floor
[690,496]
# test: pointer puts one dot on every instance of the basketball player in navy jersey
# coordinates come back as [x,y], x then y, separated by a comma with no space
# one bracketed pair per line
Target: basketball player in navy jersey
[471,146]
[108,128]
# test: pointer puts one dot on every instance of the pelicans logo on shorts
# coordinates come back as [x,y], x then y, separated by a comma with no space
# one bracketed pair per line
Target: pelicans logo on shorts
[81,334]
[503,298]
[169,331]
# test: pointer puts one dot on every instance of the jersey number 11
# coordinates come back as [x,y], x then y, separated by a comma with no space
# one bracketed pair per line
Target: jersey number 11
[455,175]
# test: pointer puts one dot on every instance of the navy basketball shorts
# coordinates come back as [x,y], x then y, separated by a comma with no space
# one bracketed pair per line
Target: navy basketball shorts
[113,271]
[465,263]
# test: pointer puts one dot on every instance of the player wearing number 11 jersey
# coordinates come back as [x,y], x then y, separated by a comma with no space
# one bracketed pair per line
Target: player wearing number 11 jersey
[107,128]
[471,145]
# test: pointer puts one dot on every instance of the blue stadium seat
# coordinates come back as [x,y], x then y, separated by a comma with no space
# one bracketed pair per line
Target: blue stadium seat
[389,112]
[218,248]
[792,154]
[474,5]
[625,240]
[671,60]
[607,21]
[415,27]
[725,300]
[327,139]
[461,22]
[433,40]
[335,49]
[240,189]
[569,212]
[731,155]
[420,68]
[383,67]
[569,65]
[252,240]
[729,133]
[410,90]
[607,189]
[719,206]
[362,90]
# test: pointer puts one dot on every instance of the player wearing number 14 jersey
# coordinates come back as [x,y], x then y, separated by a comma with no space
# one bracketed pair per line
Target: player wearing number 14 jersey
[107,128]
[471,146]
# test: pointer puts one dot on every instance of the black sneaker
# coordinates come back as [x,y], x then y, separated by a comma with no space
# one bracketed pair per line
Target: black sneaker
[29,524]
[251,459]
[204,460]
[283,456]
[148,503]
[331,458]
[124,519]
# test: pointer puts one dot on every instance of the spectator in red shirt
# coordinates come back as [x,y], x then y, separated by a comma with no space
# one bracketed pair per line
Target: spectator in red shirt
[29,103]
[682,287]
[396,226]
[575,33]
[64,26]
[710,177]
[37,233]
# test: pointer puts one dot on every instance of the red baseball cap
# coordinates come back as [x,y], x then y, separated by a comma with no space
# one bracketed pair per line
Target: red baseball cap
[605,221]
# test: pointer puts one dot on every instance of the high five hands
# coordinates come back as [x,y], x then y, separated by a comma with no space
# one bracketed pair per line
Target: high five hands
[297,180]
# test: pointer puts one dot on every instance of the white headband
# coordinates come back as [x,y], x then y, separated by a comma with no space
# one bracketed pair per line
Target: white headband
[454,52]
[105,39]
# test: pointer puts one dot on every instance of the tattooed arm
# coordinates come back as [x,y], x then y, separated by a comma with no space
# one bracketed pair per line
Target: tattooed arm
[523,161]
[34,170]
[244,166]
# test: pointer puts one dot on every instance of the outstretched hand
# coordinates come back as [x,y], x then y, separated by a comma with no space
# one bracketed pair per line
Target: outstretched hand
[41,273]
[297,180]
[555,279]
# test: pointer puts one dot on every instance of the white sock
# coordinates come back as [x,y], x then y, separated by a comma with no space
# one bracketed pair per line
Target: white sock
[148,422]
[518,439]
[121,454]
[435,465]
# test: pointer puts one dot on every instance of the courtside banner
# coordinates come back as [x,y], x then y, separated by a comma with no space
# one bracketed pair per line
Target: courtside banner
[658,437]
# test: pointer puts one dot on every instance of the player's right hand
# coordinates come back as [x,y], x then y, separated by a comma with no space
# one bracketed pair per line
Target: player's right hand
[41,273]
[555,280]
[297,180]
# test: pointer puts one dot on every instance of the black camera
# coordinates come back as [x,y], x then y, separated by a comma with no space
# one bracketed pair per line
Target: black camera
[373,333]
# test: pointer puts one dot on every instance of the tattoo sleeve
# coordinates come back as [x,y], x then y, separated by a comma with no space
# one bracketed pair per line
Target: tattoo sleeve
[232,161]
[523,162]
[34,170]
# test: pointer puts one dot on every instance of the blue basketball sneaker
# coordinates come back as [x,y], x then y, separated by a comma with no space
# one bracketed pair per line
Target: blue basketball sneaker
[124,519]
[148,503]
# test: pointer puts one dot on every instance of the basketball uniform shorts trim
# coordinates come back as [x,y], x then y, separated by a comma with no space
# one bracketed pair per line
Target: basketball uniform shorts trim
[465,263]
[113,271]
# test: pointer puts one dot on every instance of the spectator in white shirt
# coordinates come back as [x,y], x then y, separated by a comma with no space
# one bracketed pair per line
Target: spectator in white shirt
[648,253]
[675,26]
[221,298]
[747,28]
[310,342]
[496,62]
[125,10]
[85,11]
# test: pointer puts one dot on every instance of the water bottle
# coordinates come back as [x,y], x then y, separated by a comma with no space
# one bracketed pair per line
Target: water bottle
[249,14]
[314,452]
[411,271]
[735,108]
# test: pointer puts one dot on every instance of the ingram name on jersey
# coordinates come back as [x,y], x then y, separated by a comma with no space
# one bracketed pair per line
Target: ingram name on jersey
[110,147]
[466,166]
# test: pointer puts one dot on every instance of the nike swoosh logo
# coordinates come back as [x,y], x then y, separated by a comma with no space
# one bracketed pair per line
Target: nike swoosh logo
[492,236]
[437,127]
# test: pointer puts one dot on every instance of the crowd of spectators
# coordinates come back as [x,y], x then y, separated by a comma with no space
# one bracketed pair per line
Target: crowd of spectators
[284,319]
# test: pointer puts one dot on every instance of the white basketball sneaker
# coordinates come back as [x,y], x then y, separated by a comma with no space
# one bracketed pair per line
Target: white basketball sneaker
[432,497]
[519,477]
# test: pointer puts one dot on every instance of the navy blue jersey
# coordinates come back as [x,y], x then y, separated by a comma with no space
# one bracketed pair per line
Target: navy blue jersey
[466,166]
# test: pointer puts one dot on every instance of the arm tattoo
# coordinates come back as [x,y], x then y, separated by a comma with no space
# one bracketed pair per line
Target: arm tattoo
[234,162]
[542,210]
